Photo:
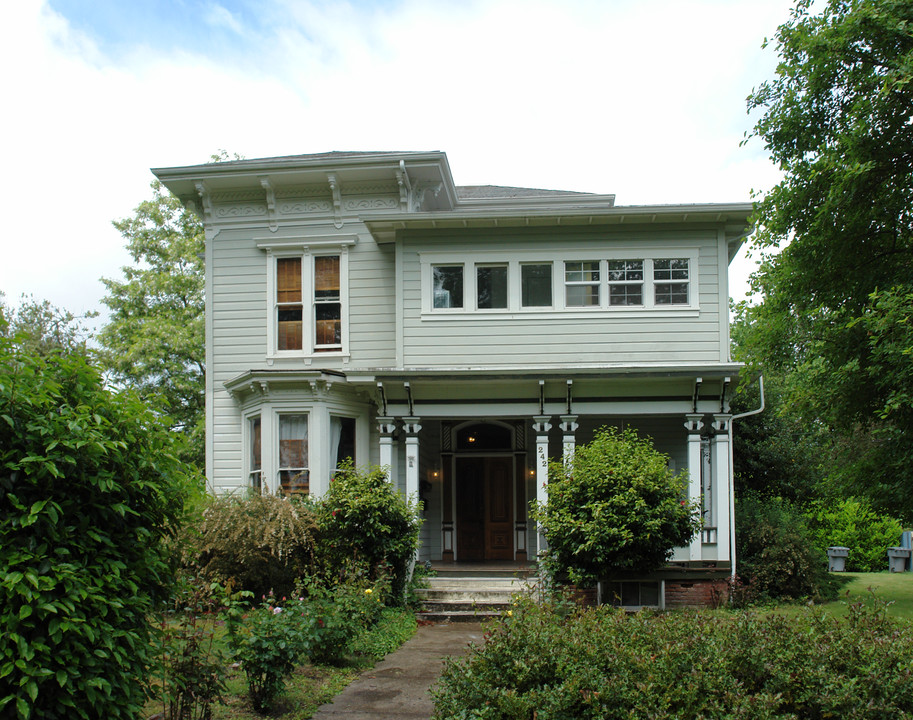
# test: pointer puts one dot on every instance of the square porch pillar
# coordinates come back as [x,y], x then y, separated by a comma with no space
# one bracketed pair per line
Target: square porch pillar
[541,426]
[694,425]
[386,426]
[722,483]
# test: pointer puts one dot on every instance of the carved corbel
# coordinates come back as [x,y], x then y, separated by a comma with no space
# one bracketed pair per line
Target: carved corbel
[337,199]
[403,191]
[205,201]
[270,202]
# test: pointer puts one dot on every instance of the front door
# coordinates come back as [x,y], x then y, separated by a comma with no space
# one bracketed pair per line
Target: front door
[484,508]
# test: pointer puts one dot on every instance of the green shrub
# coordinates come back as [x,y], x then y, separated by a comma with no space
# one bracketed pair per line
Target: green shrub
[257,543]
[603,664]
[777,555]
[88,489]
[853,523]
[269,642]
[342,613]
[364,519]
[616,508]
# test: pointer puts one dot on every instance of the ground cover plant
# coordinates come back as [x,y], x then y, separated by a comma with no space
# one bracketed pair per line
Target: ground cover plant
[552,661]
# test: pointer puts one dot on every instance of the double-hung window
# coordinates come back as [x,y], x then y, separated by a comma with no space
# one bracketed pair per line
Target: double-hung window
[626,282]
[581,283]
[308,293]
[670,281]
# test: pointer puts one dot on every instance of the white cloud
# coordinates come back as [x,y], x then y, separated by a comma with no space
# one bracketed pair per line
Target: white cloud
[645,100]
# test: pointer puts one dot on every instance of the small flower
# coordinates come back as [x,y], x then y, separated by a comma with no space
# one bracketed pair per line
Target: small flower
[277,610]
[368,591]
[510,613]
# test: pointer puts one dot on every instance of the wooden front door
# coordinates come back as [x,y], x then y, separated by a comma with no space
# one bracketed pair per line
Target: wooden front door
[484,508]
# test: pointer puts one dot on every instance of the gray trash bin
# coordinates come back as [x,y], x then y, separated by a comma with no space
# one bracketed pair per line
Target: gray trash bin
[897,559]
[836,559]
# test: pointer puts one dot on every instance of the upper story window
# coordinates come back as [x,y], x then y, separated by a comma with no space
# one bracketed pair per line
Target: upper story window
[670,281]
[308,301]
[491,287]
[626,282]
[448,286]
[327,304]
[581,283]
[536,285]
[619,282]
[289,307]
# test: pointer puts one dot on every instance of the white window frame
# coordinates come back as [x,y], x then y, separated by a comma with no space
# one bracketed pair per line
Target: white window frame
[306,249]
[557,260]
[248,439]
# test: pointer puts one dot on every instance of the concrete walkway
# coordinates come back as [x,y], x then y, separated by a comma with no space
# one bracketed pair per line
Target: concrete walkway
[397,687]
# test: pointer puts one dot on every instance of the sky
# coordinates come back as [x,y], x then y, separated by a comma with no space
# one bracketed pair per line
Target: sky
[641,98]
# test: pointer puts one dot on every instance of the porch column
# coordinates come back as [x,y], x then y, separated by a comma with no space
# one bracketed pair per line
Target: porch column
[722,482]
[541,426]
[694,425]
[569,444]
[412,428]
[386,426]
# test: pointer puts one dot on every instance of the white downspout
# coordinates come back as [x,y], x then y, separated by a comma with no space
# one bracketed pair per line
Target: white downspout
[732,470]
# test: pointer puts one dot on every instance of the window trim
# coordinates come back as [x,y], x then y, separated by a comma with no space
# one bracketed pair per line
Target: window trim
[514,261]
[307,249]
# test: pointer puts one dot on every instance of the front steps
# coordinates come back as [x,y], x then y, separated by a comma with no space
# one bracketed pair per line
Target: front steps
[472,593]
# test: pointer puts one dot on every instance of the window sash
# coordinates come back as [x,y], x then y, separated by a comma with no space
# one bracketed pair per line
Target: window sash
[293,475]
[447,286]
[491,287]
[536,285]
[581,283]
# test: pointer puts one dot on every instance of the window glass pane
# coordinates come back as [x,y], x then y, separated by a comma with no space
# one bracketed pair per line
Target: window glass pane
[327,324]
[288,280]
[293,454]
[581,271]
[255,460]
[289,327]
[536,285]
[491,286]
[447,286]
[671,294]
[582,295]
[626,295]
[626,270]
[346,443]
[326,277]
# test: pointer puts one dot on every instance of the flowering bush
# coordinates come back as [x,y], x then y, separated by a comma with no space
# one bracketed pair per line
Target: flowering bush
[341,613]
[364,519]
[270,642]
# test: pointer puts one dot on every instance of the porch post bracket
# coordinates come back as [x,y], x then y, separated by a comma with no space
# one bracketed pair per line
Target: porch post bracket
[694,423]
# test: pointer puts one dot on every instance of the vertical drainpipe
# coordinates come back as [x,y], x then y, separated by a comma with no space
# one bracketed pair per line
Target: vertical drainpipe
[732,470]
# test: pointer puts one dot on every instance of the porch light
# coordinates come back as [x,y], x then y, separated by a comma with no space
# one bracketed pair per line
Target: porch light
[471,439]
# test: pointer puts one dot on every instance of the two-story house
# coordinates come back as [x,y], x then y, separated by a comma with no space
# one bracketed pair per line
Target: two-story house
[359,304]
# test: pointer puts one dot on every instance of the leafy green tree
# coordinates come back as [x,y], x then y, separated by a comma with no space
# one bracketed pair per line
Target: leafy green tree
[616,508]
[837,121]
[89,487]
[41,327]
[154,339]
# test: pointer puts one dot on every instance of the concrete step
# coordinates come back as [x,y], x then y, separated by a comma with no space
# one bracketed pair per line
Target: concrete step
[461,594]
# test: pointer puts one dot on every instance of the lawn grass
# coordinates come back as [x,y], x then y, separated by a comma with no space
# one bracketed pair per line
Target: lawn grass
[314,685]
[896,589]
